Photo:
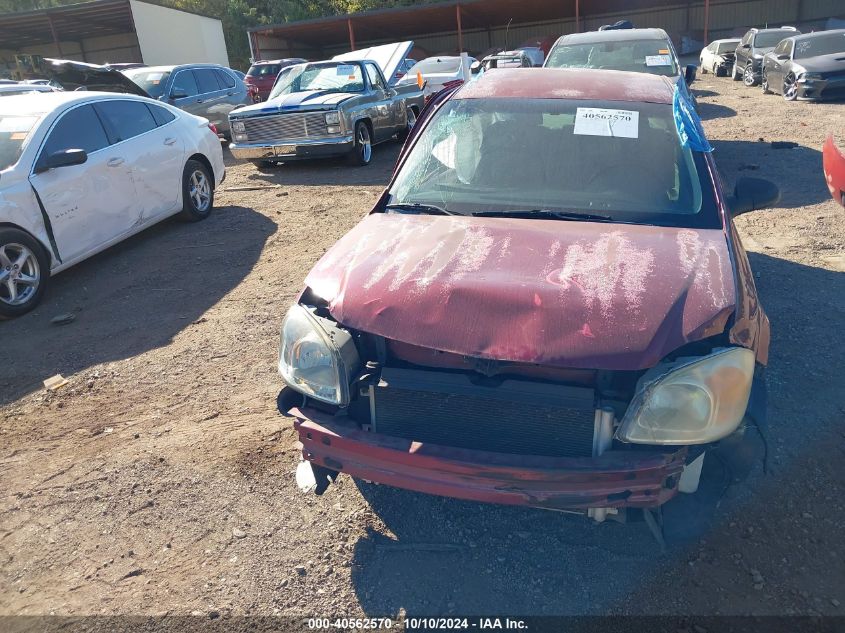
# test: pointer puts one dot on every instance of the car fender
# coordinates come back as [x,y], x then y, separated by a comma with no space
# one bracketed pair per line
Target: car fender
[833,161]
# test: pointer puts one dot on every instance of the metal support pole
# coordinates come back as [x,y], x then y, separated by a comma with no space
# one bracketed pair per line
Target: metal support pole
[351,34]
[55,36]
[460,30]
[706,21]
[577,16]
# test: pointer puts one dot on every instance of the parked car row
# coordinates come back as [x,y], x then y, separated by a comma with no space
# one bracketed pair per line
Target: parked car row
[808,66]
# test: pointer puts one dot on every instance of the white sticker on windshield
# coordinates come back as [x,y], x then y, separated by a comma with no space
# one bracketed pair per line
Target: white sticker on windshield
[658,60]
[155,76]
[607,122]
[346,70]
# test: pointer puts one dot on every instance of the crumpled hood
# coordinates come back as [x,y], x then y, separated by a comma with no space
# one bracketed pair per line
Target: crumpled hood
[73,75]
[567,294]
[307,100]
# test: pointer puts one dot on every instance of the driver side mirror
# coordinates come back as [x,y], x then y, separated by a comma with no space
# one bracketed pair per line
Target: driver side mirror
[475,68]
[745,45]
[751,194]
[689,73]
[177,93]
[783,56]
[64,158]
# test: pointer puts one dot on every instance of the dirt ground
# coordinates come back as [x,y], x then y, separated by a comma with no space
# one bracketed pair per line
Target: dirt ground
[160,479]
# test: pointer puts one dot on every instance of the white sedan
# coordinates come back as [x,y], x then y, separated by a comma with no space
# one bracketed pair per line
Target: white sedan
[81,171]
[718,57]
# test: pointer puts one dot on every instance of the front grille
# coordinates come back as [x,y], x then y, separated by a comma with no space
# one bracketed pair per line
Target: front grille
[284,127]
[516,417]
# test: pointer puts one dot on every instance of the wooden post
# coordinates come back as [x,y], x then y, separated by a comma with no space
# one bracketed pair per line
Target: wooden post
[706,21]
[351,34]
[55,36]
[577,16]
[460,30]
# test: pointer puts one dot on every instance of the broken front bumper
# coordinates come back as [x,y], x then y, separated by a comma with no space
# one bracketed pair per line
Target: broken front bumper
[616,479]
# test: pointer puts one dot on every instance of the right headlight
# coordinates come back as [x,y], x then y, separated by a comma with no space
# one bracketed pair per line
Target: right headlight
[316,356]
[238,126]
[696,401]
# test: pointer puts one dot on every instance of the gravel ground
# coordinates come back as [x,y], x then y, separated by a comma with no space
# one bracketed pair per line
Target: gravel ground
[160,479]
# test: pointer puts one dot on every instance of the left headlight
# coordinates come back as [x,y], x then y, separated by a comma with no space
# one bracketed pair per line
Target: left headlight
[238,126]
[332,118]
[694,402]
[316,357]
[810,77]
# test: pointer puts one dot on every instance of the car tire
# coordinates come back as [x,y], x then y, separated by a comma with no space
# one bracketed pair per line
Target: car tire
[197,192]
[764,83]
[24,272]
[748,77]
[790,88]
[362,146]
[735,75]
[412,120]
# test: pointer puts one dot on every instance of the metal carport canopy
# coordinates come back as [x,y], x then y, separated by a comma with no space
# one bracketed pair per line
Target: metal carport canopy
[452,15]
[72,22]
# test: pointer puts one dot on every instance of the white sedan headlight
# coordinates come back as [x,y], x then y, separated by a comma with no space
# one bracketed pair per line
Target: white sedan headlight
[316,357]
[695,402]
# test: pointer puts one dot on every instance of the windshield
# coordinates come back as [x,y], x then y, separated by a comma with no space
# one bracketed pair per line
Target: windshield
[152,81]
[651,56]
[264,70]
[772,39]
[828,44]
[445,65]
[14,135]
[727,47]
[585,157]
[334,76]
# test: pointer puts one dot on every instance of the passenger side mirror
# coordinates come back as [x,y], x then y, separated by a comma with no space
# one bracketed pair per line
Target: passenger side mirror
[176,93]
[783,56]
[475,68]
[689,73]
[745,45]
[64,158]
[751,194]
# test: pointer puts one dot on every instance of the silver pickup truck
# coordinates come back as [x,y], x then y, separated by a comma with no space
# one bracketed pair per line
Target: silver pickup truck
[343,106]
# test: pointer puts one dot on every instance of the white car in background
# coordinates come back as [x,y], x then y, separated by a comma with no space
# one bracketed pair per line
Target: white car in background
[8,90]
[438,72]
[81,171]
[718,57]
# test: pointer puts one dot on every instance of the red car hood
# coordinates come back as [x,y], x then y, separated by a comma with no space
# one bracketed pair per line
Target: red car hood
[566,294]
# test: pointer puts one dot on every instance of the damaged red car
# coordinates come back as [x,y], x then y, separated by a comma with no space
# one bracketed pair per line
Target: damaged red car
[548,306]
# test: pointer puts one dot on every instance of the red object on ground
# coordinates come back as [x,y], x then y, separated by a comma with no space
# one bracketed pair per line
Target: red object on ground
[834,170]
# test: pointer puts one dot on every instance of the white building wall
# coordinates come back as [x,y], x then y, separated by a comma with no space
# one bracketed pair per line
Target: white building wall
[167,36]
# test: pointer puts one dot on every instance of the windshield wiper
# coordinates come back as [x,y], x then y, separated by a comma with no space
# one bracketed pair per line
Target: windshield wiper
[545,214]
[428,209]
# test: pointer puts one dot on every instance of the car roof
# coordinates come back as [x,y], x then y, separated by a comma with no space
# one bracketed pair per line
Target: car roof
[810,36]
[171,68]
[775,29]
[727,39]
[569,83]
[621,35]
[43,102]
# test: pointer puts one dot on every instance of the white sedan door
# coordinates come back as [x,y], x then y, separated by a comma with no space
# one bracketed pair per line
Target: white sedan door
[151,140]
[88,204]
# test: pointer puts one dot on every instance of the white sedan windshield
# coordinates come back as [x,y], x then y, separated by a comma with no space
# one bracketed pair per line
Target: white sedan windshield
[615,158]
[14,134]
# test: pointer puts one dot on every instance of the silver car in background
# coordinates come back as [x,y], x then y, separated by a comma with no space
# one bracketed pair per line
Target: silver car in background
[207,90]
[336,107]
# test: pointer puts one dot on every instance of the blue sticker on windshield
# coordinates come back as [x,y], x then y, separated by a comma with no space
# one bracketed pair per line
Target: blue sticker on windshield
[688,124]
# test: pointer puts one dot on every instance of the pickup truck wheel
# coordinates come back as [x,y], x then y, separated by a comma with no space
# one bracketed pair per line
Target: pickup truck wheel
[24,272]
[197,192]
[362,150]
